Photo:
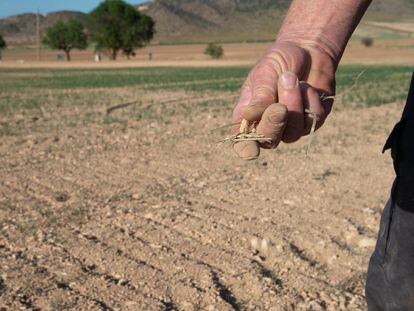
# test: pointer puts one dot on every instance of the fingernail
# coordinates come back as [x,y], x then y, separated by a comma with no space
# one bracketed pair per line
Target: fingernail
[289,80]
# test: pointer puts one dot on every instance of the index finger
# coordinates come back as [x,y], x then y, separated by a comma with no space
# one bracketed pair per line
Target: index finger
[244,100]
[263,85]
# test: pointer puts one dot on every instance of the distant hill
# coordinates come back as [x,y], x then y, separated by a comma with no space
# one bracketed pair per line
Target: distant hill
[203,20]
[21,29]
[241,20]
[216,20]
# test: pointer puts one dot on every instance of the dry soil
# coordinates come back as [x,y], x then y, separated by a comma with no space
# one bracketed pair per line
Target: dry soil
[147,215]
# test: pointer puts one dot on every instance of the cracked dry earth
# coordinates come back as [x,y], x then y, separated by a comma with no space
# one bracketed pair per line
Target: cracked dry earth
[149,215]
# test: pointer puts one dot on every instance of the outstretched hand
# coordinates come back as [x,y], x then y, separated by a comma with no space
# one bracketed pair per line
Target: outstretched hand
[274,98]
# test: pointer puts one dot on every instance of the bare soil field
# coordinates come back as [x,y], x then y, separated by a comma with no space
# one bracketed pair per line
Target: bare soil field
[140,209]
[392,51]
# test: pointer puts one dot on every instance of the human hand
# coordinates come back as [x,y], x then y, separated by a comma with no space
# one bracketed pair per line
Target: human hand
[276,79]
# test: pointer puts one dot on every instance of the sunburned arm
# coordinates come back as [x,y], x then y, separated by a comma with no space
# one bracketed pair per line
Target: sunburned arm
[324,24]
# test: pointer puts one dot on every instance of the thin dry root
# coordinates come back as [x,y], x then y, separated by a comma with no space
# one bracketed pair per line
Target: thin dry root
[314,116]
[247,133]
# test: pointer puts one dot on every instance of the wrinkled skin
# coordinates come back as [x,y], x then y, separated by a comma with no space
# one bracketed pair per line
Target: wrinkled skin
[292,74]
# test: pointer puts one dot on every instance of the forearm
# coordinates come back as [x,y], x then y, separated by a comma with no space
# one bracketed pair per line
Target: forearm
[323,24]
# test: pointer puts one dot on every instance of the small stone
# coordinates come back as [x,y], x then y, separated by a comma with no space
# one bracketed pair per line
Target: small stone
[289,202]
[254,242]
[367,243]
[149,216]
[136,196]
[264,245]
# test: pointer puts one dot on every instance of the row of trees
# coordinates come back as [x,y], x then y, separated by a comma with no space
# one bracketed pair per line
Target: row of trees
[113,27]
[70,35]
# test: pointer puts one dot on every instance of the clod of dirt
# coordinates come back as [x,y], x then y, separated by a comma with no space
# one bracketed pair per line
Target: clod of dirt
[61,197]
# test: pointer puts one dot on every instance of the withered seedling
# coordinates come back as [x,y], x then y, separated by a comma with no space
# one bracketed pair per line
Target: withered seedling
[247,130]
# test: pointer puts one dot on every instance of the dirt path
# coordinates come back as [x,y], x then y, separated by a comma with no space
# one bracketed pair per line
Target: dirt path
[151,216]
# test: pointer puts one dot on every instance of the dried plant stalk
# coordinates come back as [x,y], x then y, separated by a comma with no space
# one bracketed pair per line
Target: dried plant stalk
[247,133]
[248,129]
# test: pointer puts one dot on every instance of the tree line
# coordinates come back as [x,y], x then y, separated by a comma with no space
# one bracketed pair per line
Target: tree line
[114,26]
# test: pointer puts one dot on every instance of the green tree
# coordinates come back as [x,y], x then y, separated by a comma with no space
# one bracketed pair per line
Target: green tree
[66,36]
[117,26]
[214,50]
[3,45]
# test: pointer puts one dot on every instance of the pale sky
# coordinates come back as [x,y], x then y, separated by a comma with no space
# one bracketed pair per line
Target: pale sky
[13,7]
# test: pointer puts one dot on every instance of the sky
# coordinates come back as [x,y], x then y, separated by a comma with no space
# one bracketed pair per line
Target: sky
[13,7]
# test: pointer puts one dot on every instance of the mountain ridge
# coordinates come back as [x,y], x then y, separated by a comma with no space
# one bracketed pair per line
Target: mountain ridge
[21,29]
[191,21]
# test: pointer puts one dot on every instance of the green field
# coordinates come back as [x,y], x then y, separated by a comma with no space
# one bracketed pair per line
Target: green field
[25,90]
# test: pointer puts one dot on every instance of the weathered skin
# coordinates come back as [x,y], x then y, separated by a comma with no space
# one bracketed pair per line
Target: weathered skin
[308,48]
